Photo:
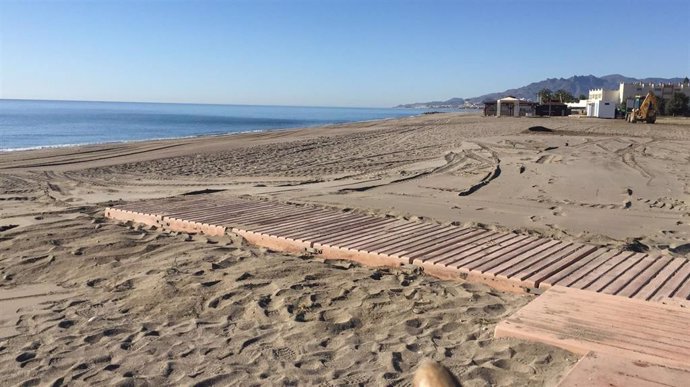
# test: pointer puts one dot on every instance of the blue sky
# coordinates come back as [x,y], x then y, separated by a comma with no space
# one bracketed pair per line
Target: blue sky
[328,52]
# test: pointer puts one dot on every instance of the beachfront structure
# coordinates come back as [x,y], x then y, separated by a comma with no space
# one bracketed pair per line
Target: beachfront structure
[628,91]
[551,108]
[577,108]
[604,95]
[601,109]
[509,107]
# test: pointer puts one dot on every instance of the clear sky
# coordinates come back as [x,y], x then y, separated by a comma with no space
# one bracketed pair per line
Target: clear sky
[327,52]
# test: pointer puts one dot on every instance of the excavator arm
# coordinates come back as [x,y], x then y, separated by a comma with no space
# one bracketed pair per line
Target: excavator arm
[646,111]
[648,108]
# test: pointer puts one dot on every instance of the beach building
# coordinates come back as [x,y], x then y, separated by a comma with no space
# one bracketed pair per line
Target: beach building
[551,108]
[578,108]
[604,95]
[601,109]
[509,107]
[628,91]
[602,103]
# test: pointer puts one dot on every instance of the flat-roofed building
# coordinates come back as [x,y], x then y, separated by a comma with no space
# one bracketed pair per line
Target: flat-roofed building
[509,106]
[628,91]
[604,95]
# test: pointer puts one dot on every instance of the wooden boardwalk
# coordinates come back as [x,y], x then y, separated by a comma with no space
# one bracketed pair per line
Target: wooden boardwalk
[595,370]
[626,342]
[504,260]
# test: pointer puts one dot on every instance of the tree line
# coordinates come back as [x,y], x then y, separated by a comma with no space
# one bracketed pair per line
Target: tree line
[563,96]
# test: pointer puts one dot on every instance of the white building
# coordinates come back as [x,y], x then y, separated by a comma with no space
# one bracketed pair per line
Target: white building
[578,108]
[511,106]
[628,91]
[604,95]
[602,103]
[601,109]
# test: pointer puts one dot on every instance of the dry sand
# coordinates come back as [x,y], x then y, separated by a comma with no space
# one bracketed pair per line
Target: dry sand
[148,306]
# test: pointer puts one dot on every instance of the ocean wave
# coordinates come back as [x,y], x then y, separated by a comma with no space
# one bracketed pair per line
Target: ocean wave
[58,146]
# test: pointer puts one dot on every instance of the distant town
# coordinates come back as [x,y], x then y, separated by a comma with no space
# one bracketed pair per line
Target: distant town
[578,95]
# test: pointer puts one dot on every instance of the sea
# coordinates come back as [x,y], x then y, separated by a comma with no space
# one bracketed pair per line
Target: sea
[29,124]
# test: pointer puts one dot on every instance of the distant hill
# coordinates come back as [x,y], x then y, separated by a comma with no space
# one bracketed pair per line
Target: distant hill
[451,103]
[576,85]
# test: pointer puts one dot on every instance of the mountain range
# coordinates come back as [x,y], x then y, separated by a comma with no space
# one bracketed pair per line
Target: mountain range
[575,85]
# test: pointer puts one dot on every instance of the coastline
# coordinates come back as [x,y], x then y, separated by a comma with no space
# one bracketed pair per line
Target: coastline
[239,121]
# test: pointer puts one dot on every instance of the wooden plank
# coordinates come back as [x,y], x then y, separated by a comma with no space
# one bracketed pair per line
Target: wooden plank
[449,234]
[426,251]
[382,227]
[615,272]
[643,277]
[651,288]
[366,243]
[257,217]
[467,257]
[656,338]
[503,252]
[275,225]
[162,205]
[323,227]
[598,369]
[528,266]
[352,239]
[683,291]
[466,243]
[502,269]
[511,256]
[581,321]
[272,219]
[478,247]
[601,270]
[552,265]
[432,234]
[362,226]
[220,216]
[577,269]
[425,233]
[268,218]
[215,208]
[306,221]
[669,288]
[399,240]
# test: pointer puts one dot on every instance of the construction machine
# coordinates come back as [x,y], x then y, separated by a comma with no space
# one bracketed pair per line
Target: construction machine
[643,109]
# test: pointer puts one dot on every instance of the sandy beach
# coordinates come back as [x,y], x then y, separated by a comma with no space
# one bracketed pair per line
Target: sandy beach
[91,301]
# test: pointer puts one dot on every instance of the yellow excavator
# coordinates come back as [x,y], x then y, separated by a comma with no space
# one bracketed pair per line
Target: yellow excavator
[644,109]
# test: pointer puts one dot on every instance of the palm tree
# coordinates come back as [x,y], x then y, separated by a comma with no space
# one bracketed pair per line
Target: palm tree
[545,95]
[564,96]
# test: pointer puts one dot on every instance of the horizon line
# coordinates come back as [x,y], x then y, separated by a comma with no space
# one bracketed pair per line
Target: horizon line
[199,103]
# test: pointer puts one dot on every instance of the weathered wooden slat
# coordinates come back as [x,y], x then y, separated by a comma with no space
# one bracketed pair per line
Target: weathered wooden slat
[572,319]
[597,369]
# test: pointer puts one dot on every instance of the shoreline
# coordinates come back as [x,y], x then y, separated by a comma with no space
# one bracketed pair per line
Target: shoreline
[210,142]
[335,122]
[210,135]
